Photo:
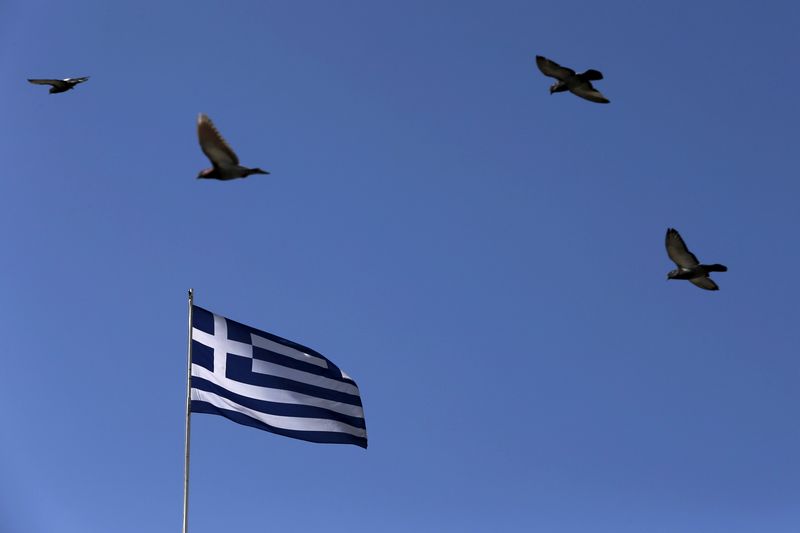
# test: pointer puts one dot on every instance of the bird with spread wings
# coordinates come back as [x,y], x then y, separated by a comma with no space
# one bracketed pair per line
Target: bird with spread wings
[568,80]
[59,86]
[224,161]
[689,267]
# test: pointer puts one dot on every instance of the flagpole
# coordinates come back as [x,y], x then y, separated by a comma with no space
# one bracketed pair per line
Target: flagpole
[188,420]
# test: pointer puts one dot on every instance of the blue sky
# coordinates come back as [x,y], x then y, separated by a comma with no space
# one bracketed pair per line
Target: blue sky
[485,259]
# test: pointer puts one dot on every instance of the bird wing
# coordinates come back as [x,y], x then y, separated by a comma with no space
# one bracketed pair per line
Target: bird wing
[586,90]
[553,69]
[212,143]
[678,252]
[76,81]
[54,83]
[705,283]
[592,75]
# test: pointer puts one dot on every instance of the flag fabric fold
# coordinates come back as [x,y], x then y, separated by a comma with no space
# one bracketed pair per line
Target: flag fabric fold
[261,380]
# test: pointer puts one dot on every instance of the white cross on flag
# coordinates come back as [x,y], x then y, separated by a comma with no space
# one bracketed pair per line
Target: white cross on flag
[261,380]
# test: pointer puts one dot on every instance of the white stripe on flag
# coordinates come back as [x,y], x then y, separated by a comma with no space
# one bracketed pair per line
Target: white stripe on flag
[271,369]
[276,395]
[272,346]
[282,422]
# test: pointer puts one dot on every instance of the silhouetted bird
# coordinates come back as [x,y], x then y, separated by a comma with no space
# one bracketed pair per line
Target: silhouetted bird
[60,86]
[688,265]
[226,163]
[579,84]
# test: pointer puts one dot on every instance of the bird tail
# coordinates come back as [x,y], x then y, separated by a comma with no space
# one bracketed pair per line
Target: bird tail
[716,267]
[592,75]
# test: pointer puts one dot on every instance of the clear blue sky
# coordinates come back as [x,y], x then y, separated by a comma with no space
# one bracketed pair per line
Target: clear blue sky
[485,259]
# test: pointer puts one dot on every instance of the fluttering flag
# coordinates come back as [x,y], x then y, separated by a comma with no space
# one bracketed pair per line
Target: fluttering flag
[261,380]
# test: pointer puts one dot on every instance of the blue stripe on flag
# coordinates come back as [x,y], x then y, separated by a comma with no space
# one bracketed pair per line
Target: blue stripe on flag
[277,409]
[311,436]
[239,369]
[279,359]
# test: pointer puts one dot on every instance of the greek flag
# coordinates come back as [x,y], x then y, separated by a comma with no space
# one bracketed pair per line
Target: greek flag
[261,380]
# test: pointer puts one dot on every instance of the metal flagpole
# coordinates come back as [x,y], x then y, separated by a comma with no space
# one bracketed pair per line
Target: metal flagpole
[188,420]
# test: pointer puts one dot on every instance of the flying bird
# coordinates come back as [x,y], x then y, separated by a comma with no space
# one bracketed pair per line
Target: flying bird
[567,80]
[60,86]
[688,265]
[224,160]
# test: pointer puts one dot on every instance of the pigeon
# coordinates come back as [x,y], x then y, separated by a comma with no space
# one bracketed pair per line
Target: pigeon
[226,163]
[688,265]
[578,84]
[60,86]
